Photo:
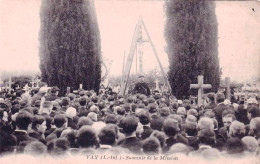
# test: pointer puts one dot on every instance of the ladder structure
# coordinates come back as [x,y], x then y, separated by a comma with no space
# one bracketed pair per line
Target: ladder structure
[137,40]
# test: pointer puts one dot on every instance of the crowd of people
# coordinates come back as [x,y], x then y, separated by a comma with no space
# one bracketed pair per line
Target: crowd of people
[42,123]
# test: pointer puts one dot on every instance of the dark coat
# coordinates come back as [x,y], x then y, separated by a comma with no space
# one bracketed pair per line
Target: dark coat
[48,132]
[71,123]
[37,136]
[211,105]
[193,142]
[173,140]
[22,140]
[156,122]
[221,138]
[241,115]
[55,134]
[51,97]
[142,88]
[35,98]
[199,151]
[7,142]
[147,132]
[218,113]
[132,143]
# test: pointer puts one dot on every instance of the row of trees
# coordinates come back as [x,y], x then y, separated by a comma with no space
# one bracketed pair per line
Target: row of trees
[70,49]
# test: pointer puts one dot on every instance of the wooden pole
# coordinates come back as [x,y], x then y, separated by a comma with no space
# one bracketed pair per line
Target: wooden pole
[157,58]
[130,59]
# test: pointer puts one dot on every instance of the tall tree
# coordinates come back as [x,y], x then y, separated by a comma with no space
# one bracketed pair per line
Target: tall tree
[70,48]
[191,34]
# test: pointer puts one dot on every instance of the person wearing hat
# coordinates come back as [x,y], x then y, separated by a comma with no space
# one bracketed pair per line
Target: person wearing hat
[141,87]
[211,98]
[54,91]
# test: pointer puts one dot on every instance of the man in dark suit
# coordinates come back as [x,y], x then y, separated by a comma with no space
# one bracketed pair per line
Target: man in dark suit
[107,139]
[218,110]
[156,122]
[61,123]
[39,128]
[223,133]
[53,94]
[131,142]
[171,129]
[145,121]
[71,116]
[23,120]
[191,132]
[65,104]
[141,87]
[212,104]
[207,141]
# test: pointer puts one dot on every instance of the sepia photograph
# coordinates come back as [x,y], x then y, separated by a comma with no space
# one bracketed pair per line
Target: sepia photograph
[144,81]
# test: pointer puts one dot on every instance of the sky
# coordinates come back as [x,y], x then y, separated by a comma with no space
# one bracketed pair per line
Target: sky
[239,35]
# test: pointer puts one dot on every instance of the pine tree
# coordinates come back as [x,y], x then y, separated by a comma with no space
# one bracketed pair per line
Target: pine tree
[70,48]
[192,44]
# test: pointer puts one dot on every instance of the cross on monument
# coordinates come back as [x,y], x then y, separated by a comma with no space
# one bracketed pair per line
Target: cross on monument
[227,86]
[1,82]
[10,84]
[157,85]
[200,86]
[68,90]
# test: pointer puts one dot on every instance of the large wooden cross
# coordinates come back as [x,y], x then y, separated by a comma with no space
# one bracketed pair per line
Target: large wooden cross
[227,87]
[200,86]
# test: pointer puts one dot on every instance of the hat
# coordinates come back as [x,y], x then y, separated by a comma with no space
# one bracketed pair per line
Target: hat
[181,111]
[37,103]
[152,107]
[220,96]
[227,102]
[54,89]
[55,103]
[252,101]
[71,112]
[141,75]
[43,90]
[71,95]
[82,93]
[2,100]
[180,102]
[98,126]
[92,116]
[94,108]
[211,95]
